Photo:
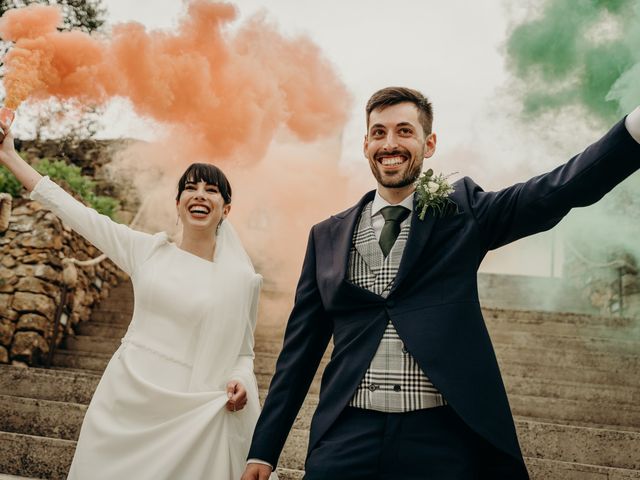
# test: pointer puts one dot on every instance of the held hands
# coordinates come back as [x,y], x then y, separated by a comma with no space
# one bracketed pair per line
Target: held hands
[256,471]
[237,395]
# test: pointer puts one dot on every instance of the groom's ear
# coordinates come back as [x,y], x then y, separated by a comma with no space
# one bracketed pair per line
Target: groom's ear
[430,145]
[365,144]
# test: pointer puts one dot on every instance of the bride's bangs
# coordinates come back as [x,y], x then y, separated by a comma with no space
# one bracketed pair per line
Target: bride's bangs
[208,173]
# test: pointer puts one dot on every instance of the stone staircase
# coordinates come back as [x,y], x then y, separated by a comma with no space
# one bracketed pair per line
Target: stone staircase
[573,382]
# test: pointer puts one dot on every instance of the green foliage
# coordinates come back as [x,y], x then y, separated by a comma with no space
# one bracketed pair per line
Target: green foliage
[8,183]
[565,58]
[105,205]
[59,170]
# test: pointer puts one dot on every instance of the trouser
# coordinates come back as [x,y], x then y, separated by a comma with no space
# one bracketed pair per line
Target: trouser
[430,444]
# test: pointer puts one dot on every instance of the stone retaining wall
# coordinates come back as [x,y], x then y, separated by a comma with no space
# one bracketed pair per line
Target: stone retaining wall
[31,253]
[609,289]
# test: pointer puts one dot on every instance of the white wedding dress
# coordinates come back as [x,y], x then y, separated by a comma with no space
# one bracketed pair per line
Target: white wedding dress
[159,409]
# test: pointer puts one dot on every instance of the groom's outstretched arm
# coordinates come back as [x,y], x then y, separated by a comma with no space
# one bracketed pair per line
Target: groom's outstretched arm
[306,338]
[541,202]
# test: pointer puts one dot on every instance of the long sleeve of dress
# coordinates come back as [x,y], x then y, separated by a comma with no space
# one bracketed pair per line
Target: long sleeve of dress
[243,369]
[126,247]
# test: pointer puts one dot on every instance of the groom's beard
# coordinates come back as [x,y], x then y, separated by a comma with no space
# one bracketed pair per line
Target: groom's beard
[409,176]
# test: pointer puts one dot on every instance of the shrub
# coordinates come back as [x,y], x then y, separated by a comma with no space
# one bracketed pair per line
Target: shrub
[59,170]
[82,185]
[8,183]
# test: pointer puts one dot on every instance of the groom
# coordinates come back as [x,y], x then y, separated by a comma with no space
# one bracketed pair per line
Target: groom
[413,389]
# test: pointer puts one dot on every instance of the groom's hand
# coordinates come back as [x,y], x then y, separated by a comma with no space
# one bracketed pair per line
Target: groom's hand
[237,395]
[256,471]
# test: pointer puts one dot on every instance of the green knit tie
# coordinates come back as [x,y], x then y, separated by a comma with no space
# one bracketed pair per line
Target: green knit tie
[393,217]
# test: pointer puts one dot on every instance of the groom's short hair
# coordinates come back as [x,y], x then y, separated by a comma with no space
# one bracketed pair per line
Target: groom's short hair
[393,95]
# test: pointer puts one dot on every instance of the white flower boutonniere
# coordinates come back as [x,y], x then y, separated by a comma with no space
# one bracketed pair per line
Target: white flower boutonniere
[433,193]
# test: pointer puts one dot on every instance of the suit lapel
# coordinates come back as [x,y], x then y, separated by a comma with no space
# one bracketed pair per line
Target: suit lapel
[418,236]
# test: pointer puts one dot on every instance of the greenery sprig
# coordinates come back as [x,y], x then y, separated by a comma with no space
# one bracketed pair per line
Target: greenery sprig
[433,193]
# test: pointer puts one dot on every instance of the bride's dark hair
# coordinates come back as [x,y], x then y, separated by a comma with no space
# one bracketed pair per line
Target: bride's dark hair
[205,172]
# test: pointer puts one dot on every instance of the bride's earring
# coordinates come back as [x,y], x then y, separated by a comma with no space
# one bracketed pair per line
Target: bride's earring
[177,219]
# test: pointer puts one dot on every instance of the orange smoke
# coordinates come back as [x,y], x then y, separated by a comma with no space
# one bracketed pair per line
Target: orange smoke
[268,109]
[232,91]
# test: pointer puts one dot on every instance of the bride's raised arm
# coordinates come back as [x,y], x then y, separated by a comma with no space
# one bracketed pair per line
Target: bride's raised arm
[125,246]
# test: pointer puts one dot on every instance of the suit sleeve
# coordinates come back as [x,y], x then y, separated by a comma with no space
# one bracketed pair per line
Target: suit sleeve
[306,338]
[541,202]
[124,246]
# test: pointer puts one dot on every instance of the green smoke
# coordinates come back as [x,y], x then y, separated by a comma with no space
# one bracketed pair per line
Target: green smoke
[565,59]
[586,53]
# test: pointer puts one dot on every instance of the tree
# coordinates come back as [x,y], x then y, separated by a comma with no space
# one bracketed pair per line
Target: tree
[68,121]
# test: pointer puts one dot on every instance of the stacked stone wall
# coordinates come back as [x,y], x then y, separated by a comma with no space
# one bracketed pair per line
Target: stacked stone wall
[32,250]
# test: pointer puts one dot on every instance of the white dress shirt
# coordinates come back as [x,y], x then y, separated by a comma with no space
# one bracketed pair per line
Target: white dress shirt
[377,220]
[632,122]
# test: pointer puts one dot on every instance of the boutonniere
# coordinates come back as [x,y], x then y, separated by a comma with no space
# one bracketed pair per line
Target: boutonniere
[433,193]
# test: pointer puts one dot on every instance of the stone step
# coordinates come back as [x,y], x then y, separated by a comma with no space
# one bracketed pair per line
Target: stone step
[577,412]
[560,443]
[585,445]
[48,384]
[614,369]
[43,418]
[539,469]
[572,390]
[114,318]
[101,329]
[573,373]
[566,342]
[545,469]
[91,344]
[32,456]
[116,305]
[93,362]
[540,317]
[13,477]
[283,474]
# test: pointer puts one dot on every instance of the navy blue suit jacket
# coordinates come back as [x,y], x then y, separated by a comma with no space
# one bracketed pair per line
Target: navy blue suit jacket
[434,303]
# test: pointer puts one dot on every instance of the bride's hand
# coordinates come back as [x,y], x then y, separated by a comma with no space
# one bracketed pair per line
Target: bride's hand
[237,395]
[24,172]
[6,148]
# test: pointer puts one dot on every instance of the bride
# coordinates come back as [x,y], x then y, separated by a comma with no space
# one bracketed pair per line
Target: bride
[178,399]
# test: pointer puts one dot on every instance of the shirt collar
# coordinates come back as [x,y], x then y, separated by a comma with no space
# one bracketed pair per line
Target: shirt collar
[379,203]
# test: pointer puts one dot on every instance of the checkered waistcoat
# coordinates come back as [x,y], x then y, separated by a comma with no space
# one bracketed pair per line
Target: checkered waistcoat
[393,382]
